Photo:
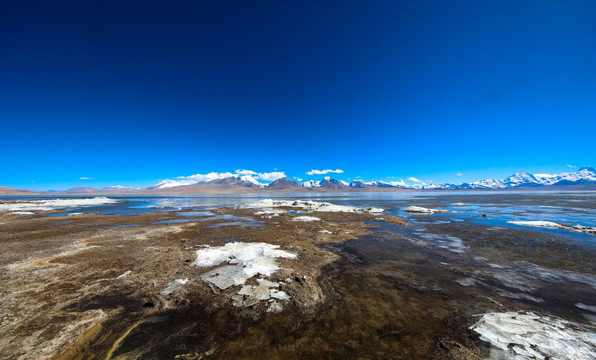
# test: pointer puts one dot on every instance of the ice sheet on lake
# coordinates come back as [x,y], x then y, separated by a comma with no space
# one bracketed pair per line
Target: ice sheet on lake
[246,260]
[312,206]
[173,286]
[554,225]
[422,210]
[53,204]
[306,218]
[525,335]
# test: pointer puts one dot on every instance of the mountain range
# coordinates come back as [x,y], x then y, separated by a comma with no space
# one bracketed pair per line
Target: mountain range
[584,178]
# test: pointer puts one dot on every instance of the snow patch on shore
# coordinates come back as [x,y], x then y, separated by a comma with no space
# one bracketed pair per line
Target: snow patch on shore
[53,204]
[526,335]
[312,206]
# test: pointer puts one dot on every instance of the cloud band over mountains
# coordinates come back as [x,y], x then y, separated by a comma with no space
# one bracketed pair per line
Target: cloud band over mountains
[323,172]
[248,175]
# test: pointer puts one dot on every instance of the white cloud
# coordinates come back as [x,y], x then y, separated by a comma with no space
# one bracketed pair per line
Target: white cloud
[267,176]
[413,179]
[459,174]
[207,177]
[245,172]
[271,176]
[570,166]
[323,172]
[86,178]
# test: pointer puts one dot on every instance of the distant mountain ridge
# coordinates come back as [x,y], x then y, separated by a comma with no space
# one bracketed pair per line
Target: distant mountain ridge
[584,178]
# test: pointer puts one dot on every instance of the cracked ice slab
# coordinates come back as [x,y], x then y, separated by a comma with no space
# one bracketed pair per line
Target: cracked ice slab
[245,261]
[526,335]
[173,286]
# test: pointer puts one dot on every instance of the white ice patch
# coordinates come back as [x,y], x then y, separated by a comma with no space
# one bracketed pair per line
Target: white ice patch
[173,286]
[306,218]
[325,232]
[421,210]
[586,307]
[554,225]
[275,308]
[270,212]
[525,335]
[246,260]
[53,204]
[469,281]
[20,213]
[312,206]
[125,274]
[278,294]
[459,204]
[447,242]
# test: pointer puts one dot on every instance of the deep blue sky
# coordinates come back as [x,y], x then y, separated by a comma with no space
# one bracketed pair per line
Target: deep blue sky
[134,92]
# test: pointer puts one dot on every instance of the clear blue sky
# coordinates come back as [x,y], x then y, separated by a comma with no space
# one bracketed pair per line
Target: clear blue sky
[135,92]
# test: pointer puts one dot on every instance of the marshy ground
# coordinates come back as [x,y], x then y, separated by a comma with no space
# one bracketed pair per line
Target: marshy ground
[91,286]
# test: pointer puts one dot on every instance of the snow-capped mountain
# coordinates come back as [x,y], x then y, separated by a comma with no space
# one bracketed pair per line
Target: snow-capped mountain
[585,175]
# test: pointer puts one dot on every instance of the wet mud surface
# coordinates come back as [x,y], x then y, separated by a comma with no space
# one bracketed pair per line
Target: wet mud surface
[89,286]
